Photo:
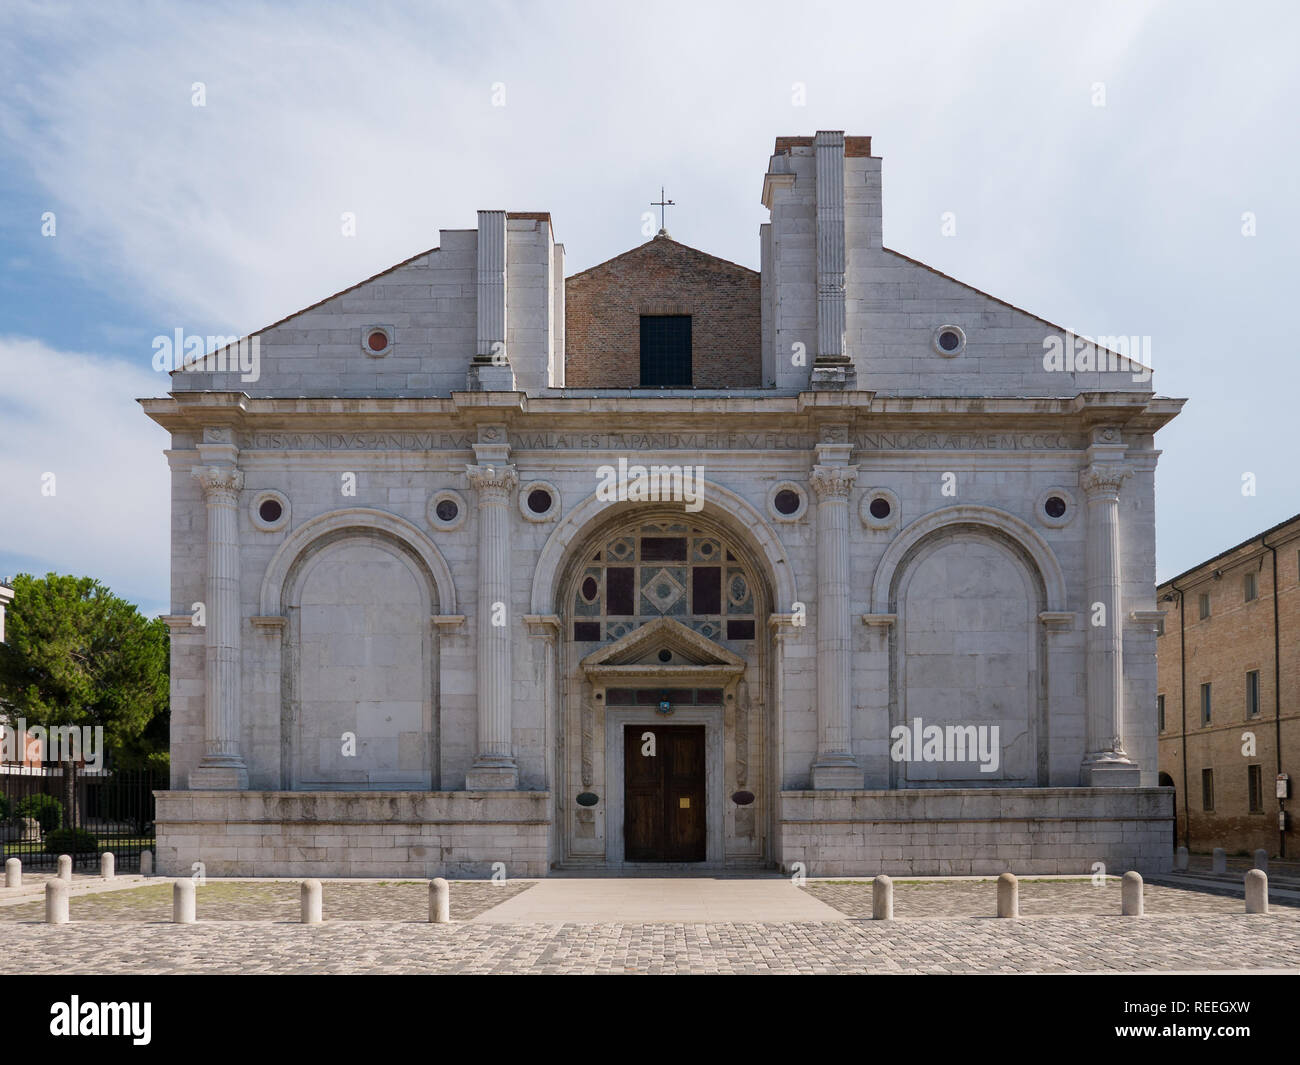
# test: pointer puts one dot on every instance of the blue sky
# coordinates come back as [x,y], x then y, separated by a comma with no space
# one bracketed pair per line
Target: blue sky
[1122,219]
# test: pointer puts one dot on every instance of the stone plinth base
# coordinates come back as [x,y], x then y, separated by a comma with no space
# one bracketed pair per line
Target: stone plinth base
[487,377]
[219,778]
[846,776]
[837,377]
[976,831]
[1109,775]
[329,833]
[492,778]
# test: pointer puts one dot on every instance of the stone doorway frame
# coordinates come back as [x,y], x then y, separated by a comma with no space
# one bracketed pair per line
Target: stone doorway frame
[616,721]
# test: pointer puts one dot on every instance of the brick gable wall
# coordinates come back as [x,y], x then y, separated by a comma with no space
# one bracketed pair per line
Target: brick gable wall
[603,308]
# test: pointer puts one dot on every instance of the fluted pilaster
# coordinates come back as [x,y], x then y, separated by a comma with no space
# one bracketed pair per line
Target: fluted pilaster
[494,767]
[1106,761]
[835,766]
[222,766]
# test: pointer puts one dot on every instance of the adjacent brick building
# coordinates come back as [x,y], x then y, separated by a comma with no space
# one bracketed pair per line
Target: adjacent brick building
[1228,702]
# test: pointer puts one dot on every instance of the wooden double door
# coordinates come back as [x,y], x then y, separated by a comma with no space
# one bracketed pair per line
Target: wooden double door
[663,804]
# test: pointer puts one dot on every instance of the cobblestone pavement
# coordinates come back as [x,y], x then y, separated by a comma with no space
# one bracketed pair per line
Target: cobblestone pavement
[381,927]
[957,945]
[975,898]
[391,900]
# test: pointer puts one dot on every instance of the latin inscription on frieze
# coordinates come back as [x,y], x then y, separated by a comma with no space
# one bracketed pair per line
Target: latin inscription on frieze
[739,441]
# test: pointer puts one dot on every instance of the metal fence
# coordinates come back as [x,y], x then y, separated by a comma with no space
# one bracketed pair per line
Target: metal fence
[43,815]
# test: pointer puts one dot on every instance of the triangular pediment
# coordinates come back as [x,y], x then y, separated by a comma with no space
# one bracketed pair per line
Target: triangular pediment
[641,652]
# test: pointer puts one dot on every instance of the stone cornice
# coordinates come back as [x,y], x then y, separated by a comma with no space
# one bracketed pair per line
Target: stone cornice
[783,626]
[1057,620]
[200,409]
[1147,619]
[453,423]
[545,625]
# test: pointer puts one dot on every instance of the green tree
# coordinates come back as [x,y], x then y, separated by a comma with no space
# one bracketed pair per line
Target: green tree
[75,654]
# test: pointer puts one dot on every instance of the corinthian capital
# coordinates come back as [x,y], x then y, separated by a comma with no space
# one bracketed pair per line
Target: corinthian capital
[220,484]
[494,483]
[833,482]
[1104,478]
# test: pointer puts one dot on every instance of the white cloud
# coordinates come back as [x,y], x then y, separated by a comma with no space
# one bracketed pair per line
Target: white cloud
[1120,219]
[74,416]
[230,212]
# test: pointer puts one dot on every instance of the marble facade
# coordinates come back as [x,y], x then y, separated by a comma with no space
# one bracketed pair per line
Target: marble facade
[411,660]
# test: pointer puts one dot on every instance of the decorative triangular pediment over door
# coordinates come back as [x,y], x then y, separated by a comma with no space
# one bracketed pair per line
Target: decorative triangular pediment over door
[663,652]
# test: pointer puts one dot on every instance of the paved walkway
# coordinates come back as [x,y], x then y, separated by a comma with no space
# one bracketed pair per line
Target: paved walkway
[1227,942]
[668,925]
[650,901]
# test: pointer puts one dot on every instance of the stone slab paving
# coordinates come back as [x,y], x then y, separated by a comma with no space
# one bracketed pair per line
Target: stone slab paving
[646,900]
[1201,943]
[278,900]
[978,898]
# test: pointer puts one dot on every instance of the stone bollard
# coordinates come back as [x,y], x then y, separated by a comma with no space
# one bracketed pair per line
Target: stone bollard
[107,865]
[310,894]
[1220,860]
[1181,859]
[439,901]
[1131,894]
[56,902]
[1257,891]
[183,906]
[146,863]
[882,898]
[13,873]
[1261,860]
[65,868]
[1008,895]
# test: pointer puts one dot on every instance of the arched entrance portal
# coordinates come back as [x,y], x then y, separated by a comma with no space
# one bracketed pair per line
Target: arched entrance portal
[664,658]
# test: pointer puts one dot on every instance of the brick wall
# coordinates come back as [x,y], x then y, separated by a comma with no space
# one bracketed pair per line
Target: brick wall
[603,308]
[1235,638]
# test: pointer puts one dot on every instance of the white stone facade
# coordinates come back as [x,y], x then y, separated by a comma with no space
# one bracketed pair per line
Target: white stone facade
[388,679]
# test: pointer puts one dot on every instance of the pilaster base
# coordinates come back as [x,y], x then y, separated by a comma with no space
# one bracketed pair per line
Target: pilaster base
[838,776]
[489,377]
[220,776]
[1109,775]
[838,377]
[494,776]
